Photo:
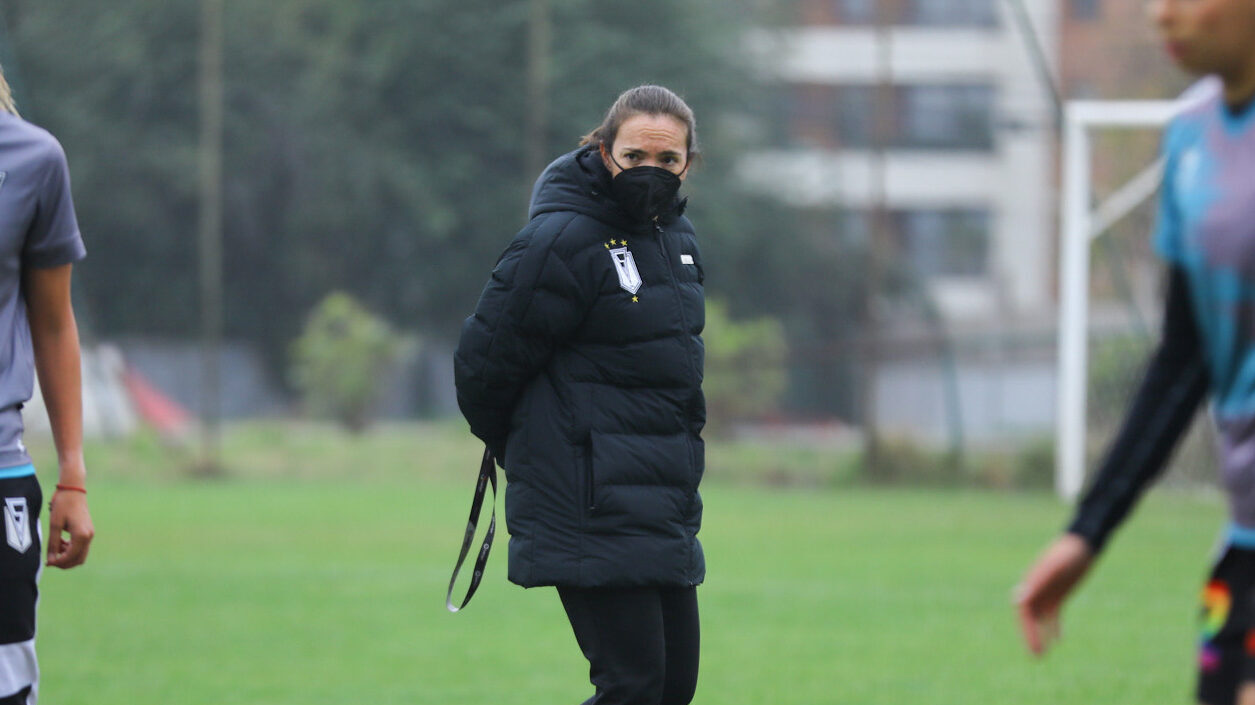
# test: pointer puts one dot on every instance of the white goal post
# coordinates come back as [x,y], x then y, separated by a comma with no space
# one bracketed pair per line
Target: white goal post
[1079,226]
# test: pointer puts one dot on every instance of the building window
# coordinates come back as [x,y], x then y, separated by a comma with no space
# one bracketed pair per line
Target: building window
[941,116]
[811,113]
[815,12]
[858,12]
[951,13]
[1085,10]
[930,243]
[928,13]
[856,115]
[944,243]
[854,228]
[946,116]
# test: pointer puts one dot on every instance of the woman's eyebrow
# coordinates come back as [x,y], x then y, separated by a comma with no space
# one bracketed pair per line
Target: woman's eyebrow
[641,150]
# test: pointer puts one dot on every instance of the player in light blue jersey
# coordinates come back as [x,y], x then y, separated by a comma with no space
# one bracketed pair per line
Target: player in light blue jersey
[39,242]
[1206,237]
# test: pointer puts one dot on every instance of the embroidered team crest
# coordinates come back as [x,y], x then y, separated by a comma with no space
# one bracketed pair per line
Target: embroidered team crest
[17,527]
[625,266]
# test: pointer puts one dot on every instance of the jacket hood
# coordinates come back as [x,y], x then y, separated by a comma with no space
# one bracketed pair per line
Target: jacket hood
[579,181]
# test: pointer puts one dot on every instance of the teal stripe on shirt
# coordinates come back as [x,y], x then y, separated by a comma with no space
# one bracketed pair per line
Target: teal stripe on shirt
[1241,536]
[17,471]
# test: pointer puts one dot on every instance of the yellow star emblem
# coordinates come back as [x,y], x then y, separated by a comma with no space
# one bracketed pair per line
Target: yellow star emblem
[607,245]
[636,299]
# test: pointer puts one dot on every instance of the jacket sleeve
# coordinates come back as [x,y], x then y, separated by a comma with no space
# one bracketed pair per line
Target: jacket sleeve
[1170,393]
[532,304]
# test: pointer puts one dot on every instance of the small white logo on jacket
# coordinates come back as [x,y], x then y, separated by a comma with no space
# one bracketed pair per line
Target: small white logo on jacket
[625,265]
[17,528]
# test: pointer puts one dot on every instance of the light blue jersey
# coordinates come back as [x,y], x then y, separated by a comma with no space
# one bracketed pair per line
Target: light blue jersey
[1207,227]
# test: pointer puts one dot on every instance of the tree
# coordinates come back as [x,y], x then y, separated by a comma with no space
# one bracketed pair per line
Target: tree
[745,367]
[379,149]
[341,358]
[374,147]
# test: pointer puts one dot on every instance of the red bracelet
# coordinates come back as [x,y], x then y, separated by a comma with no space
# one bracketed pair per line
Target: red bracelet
[72,488]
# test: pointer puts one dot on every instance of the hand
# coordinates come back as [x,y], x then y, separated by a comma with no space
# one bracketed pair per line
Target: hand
[1040,595]
[69,515]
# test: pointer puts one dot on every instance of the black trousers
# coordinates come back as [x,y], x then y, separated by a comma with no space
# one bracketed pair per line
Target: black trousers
[642,644]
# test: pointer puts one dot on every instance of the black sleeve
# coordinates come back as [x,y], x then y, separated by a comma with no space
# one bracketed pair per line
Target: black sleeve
[1170,393]
[531,304]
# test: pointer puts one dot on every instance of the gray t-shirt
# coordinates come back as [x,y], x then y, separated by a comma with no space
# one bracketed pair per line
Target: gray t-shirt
[37,229]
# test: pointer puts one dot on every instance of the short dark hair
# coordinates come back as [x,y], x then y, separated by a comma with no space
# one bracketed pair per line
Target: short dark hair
[644,100]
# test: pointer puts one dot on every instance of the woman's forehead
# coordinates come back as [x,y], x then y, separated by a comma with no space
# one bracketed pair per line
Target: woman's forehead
[656,132]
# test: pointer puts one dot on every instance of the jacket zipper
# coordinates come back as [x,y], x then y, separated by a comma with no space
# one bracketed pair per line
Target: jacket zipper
[688,438]
[590,478]
[675,288]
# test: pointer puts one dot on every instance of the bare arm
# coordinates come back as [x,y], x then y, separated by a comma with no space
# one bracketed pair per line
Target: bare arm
[54,336]
[1165,404]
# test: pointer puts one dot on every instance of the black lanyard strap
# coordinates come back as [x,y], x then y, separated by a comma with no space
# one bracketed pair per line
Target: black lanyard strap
[487,476]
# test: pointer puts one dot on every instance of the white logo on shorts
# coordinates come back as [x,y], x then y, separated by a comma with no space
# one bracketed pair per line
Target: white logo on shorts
[17,527]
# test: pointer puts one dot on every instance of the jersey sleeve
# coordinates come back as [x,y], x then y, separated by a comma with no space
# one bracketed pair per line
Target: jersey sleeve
[1168,239]
[1171,391]
[53,238]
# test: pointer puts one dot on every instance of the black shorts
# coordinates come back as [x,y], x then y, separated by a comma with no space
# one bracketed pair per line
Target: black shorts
[20,548]
[1226,656]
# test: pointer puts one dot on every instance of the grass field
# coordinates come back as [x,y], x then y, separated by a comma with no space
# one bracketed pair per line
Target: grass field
[315,573]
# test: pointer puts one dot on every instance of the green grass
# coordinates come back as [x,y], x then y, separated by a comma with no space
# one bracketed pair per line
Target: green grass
[315,573]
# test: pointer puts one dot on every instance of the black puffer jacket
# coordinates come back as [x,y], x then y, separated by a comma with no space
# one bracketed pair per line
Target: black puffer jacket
[590,393]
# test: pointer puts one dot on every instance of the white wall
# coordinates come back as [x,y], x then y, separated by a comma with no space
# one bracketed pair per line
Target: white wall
[996,400]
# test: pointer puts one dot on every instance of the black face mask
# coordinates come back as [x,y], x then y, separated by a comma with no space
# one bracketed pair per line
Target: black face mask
[645,191]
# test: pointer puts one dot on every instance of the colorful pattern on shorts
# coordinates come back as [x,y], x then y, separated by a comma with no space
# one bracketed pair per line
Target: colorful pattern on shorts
[1226,655]
[1217,601]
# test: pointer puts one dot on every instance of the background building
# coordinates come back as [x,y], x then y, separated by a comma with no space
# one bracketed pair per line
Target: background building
[962,170]
[968,164]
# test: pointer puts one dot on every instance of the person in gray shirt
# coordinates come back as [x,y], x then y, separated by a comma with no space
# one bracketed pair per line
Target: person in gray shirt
[39,243]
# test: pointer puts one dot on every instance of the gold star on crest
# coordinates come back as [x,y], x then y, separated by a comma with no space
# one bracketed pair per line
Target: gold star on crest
[636,299]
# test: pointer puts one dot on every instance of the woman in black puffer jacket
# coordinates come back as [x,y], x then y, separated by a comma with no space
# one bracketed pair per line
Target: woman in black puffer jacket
[581,369]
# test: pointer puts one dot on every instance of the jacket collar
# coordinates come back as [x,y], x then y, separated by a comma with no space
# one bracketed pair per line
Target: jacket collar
[579,181]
